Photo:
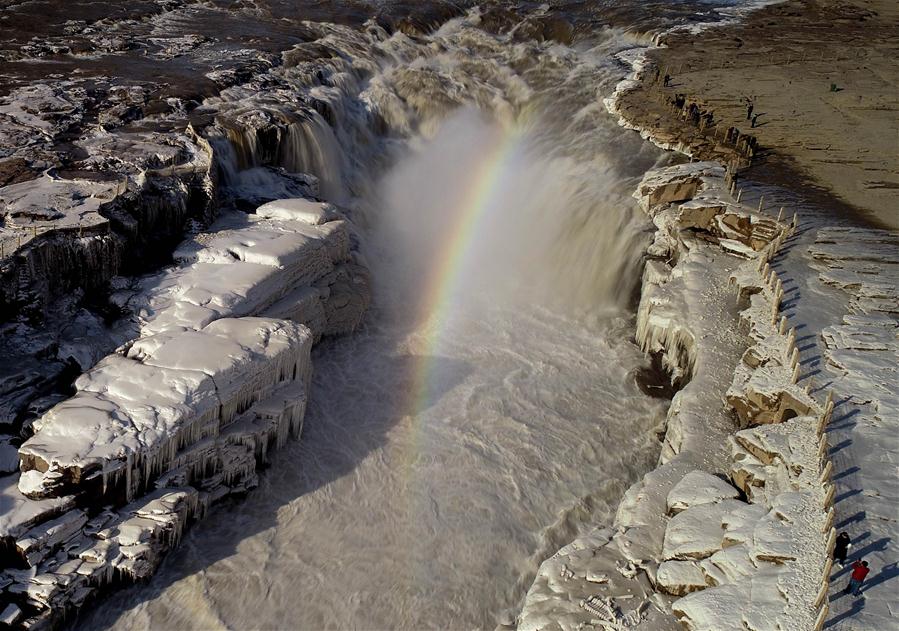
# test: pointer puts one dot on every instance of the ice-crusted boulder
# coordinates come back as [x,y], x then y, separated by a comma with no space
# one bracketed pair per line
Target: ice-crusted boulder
[133,413]
[213,375]
[696,533]
[298,209]
[696,488]
[69,559]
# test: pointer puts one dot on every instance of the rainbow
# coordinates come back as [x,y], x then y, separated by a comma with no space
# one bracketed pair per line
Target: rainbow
[443,284]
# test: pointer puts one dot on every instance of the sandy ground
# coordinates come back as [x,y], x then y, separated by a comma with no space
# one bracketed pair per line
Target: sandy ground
[840,147]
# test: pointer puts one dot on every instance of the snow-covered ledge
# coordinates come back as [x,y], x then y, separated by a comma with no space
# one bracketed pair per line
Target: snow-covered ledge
[212,374]
[685,543]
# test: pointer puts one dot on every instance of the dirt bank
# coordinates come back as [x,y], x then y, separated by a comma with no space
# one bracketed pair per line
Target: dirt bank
[822,83]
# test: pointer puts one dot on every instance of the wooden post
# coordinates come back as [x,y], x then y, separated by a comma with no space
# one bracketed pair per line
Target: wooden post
[822,447]
[822,592]
[828,499]
[761,202]
[822,617]
[780,215]
[828,411]
[826,471]
[739,195]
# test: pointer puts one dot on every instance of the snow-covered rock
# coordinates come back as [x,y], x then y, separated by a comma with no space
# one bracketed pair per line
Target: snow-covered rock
[133,413]
[697,532]
[699,487]
[299,209]
[294,259]
[679,578]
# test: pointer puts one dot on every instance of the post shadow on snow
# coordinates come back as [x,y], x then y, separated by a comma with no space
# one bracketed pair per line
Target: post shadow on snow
[844,422]
[809,374]
[847,472]
[857,517]
[846,495]
[857,605]
[839,446]
[333,443]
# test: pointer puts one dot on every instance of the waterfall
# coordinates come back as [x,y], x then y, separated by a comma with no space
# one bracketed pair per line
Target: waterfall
[486,412]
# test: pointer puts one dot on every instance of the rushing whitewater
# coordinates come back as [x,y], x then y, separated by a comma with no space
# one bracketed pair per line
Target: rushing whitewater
[488,410]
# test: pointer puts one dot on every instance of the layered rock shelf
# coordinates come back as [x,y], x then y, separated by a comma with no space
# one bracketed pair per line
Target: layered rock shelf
[213,375]
[143,413]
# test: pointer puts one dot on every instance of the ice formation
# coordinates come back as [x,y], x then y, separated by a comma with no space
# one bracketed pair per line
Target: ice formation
[683,541]
[212,376]
[140,414]
[292,259]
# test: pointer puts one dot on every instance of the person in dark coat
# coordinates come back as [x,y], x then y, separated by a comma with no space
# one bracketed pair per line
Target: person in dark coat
[841,548]
[859,572]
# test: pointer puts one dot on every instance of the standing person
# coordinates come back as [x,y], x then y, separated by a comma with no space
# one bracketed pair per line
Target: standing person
[749,108]
[859,572]
[667,80]
[842,547]
[754,120]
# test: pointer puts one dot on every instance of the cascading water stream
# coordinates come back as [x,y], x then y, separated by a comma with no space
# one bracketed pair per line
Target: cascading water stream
[486,412]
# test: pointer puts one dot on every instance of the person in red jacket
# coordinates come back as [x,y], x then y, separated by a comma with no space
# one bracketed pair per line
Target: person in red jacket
[859,572]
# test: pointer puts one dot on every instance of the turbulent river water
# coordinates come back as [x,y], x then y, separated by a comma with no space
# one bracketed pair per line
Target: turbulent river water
[487,411]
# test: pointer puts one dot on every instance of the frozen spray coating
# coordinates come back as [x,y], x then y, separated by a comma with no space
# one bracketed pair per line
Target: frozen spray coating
[478,420]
